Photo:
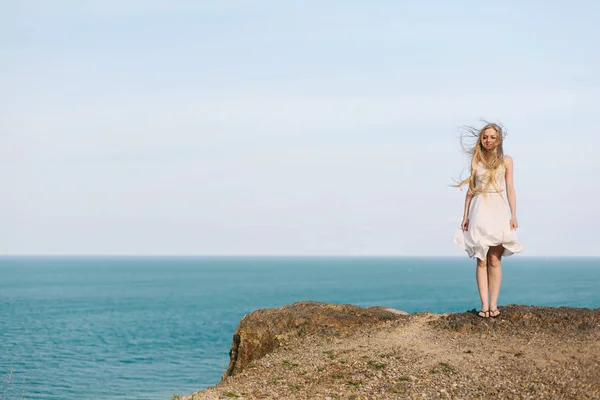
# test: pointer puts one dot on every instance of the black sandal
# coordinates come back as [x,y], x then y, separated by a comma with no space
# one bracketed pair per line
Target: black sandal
[486,313]
[494,312]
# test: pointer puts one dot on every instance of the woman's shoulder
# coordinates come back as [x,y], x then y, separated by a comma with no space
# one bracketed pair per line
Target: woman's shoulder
[508,161]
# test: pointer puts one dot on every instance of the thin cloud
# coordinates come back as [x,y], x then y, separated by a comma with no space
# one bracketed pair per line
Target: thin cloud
[286,113]
[73,8]
[366,228]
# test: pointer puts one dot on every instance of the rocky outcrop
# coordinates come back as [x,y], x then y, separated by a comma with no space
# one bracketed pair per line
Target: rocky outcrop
[561,322]
[264,330]
[313,350]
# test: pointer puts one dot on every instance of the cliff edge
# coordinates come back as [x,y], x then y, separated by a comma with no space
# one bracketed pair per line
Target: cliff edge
[312,350]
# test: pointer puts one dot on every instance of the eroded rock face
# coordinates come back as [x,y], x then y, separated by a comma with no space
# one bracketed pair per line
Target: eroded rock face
[262,331]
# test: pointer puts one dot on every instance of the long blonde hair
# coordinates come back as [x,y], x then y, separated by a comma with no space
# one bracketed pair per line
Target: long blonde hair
[492,160]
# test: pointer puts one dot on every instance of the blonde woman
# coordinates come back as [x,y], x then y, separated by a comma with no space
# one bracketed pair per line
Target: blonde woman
[488,230]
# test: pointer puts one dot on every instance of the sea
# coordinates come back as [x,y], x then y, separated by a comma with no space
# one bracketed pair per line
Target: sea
[151,327]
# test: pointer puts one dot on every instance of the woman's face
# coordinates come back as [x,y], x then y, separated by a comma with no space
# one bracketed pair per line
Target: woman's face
[489,138]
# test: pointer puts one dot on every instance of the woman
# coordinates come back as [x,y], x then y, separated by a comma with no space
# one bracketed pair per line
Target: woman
[488,231]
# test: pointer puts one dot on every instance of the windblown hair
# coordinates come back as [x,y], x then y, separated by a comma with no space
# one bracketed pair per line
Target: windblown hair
[492,160]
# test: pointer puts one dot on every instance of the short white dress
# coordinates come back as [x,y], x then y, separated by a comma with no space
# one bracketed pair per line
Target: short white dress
[489,220]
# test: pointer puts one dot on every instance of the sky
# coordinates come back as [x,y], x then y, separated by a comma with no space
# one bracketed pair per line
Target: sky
[268,127]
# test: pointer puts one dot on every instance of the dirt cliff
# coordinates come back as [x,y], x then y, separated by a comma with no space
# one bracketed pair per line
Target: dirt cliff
[312,350]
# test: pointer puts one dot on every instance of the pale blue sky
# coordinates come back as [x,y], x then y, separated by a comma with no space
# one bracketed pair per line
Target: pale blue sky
[226,127]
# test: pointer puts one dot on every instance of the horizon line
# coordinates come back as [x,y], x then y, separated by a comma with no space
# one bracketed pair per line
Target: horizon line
[270,256]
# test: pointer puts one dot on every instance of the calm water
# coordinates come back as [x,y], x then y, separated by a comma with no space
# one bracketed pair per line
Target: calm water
[145,328]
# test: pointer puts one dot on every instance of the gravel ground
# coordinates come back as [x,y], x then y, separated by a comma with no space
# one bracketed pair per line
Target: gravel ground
[425,356]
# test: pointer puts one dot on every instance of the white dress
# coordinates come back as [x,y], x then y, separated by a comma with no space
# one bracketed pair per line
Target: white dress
[489,220]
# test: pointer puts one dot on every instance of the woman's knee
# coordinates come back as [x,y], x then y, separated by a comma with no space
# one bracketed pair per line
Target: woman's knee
[494,257]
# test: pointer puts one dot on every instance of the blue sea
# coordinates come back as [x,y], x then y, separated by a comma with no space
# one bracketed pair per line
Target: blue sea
[147,328]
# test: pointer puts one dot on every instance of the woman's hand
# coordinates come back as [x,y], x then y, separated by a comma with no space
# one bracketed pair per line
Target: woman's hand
[464,225]
[514,224]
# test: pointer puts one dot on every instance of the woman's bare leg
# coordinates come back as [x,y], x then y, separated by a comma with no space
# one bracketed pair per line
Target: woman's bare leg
[494,266]
[482,283]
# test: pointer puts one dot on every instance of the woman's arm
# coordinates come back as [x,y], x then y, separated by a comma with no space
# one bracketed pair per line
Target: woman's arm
[465,222]
[468,199]
[510,191]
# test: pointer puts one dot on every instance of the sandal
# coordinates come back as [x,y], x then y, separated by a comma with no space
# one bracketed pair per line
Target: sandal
[484,313]
[494,313]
